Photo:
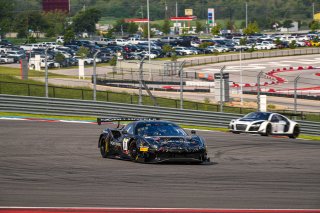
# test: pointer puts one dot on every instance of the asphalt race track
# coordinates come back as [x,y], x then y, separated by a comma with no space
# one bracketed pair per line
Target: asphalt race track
[46,164]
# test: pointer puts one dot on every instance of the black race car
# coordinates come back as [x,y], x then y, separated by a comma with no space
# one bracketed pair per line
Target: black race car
[150,140]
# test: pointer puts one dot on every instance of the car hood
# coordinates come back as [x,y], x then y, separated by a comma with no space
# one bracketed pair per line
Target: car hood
[173,143]
[250,120]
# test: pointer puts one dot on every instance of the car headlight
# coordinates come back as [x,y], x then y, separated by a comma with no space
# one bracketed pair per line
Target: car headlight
[255,125]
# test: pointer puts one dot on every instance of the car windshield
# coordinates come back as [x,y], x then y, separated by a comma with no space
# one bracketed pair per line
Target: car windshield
[159,129]
[258,116]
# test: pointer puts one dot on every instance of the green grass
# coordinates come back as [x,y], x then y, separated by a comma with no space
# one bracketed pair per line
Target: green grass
[44,116]
[8,71]
[11,84]
[108,20]
[93,119]
[19,41]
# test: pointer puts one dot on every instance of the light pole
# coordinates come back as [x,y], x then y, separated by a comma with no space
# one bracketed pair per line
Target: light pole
[149,44]
[295,92]
[176,16]
[181,83]
[312,10]
[141,79]
[258,90]
[241,87]
[246,14]
[95,76]
[46,71]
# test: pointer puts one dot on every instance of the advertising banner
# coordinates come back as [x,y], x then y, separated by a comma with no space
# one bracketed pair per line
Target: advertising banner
[211,16]
[188,12]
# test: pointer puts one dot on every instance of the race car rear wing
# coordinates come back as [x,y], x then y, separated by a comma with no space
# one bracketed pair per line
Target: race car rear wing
[108,120]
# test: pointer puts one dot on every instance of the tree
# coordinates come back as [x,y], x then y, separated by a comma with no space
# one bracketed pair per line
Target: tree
[199,27]
[83,52]
[69,35]
[216,29]
[109,33]
[59,58]
[56,22]
[166,49]
[145,31]
[314,26]
[5,16]
[287,24]
[243,41]
[251,29]
[120,26]
[230,25]
[85,21]
[293,44]
[113,61]
[132,28]
[29,22]
[166,27]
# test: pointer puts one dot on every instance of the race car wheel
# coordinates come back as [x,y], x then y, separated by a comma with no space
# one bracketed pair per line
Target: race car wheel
[133,151]
[268,131]
[105,146]
[296,132]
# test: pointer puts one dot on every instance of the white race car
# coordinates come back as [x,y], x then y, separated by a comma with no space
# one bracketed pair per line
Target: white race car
[265,124]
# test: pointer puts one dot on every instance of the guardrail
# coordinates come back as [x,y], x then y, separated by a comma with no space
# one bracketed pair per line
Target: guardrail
[40,105]
[251,55]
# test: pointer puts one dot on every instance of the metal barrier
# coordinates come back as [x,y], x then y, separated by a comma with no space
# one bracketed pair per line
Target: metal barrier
[251,55]
[40,105]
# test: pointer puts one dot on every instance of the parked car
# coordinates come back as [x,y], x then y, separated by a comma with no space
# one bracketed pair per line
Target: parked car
[16,55]
[104,57]
[6,60]
[50,63]
[184,50]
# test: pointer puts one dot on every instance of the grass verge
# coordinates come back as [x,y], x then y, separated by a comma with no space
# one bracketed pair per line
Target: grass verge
[93,119]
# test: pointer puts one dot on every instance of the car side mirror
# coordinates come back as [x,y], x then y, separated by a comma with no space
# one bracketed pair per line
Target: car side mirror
[193,132]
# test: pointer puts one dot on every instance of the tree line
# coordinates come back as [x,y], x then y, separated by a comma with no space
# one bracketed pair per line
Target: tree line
[24,17]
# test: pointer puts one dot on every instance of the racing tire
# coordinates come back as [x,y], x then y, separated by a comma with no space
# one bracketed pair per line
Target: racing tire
[105,146]
[296,132]
[268,131]
[133,151]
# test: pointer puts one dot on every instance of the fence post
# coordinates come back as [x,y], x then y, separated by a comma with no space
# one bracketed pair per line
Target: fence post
[295,93]
[258,89]
[95,76]
[221,95]
[181,83]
